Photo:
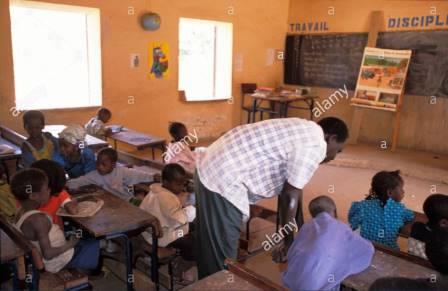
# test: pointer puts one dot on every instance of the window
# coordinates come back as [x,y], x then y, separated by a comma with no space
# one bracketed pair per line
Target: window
[205,59]
[57,55]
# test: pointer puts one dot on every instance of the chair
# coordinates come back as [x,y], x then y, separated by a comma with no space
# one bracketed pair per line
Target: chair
[166,256]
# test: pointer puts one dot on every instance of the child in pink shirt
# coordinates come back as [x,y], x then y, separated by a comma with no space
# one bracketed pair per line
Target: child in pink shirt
[178,150]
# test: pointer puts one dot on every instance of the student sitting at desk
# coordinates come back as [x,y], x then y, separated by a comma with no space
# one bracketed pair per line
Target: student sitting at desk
[178,150]
[436,209]
[30,187]
[39,145]
[96,125]
[116,179]
[326,251]
[166,201]
[437,253]
[381,215]
[58,196]
[77,158]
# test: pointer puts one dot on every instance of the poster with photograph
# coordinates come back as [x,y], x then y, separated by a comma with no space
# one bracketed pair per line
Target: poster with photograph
[158,60]
[381,78]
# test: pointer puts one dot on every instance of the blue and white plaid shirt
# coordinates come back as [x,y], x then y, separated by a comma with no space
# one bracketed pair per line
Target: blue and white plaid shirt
[253,161]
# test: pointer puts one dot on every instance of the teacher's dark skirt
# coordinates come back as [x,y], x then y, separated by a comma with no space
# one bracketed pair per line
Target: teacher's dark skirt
[218,226]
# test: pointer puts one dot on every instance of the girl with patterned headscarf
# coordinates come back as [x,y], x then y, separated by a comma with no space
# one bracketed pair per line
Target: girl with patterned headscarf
[78,159]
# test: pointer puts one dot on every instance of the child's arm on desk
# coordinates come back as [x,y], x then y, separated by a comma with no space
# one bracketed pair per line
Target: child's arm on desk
[88,179]
[42,227]
[71,206]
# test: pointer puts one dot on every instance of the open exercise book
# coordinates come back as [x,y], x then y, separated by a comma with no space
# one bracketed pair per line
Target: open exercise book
[86,208]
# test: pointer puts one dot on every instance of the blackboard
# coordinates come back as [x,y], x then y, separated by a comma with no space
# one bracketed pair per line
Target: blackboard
[428,70]
[325,60]
[334,60]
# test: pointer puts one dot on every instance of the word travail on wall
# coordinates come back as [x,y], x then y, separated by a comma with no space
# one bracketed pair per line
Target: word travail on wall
[308,26]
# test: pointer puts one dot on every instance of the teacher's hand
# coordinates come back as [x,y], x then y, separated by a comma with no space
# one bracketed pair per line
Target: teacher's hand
[279,254]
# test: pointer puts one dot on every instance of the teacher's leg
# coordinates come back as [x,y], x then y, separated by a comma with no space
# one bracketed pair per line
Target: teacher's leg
[218,226]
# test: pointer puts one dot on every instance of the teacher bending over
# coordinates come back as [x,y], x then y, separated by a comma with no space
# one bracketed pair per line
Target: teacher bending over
[252,162]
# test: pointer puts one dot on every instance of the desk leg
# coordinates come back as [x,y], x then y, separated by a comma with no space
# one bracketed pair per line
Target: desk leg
[254,110]
[155,260]
[285,109]
[115,144]
[6,171]
[272,105]
[35,277]
[128,255]
[153,154]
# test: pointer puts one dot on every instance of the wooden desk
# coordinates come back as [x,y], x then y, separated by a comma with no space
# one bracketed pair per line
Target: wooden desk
[92,142]
[16,155]
[118,218]
[223,280]
[237,277]
[138,140]
[387,265]
[284,103]
[382,265]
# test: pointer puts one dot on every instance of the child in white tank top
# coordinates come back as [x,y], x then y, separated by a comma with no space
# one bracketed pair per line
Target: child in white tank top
[30,187]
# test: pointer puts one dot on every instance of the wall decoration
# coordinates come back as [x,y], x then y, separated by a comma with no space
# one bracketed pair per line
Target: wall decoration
[381,78]
[158,60]
[134,60]
[150,21]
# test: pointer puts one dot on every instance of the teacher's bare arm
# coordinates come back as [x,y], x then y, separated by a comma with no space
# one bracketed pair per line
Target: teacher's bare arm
[289,199]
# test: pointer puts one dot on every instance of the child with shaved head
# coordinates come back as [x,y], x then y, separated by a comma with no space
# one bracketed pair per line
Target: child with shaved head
[325,251]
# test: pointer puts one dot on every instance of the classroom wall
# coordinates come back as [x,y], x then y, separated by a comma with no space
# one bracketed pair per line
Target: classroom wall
[259,27]
[423,123]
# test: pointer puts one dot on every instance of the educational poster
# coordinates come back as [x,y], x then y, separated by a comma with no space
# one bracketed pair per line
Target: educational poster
[158,60]
[381,78]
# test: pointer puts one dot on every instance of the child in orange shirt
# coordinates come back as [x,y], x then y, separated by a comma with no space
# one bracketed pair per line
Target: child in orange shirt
[59,197]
